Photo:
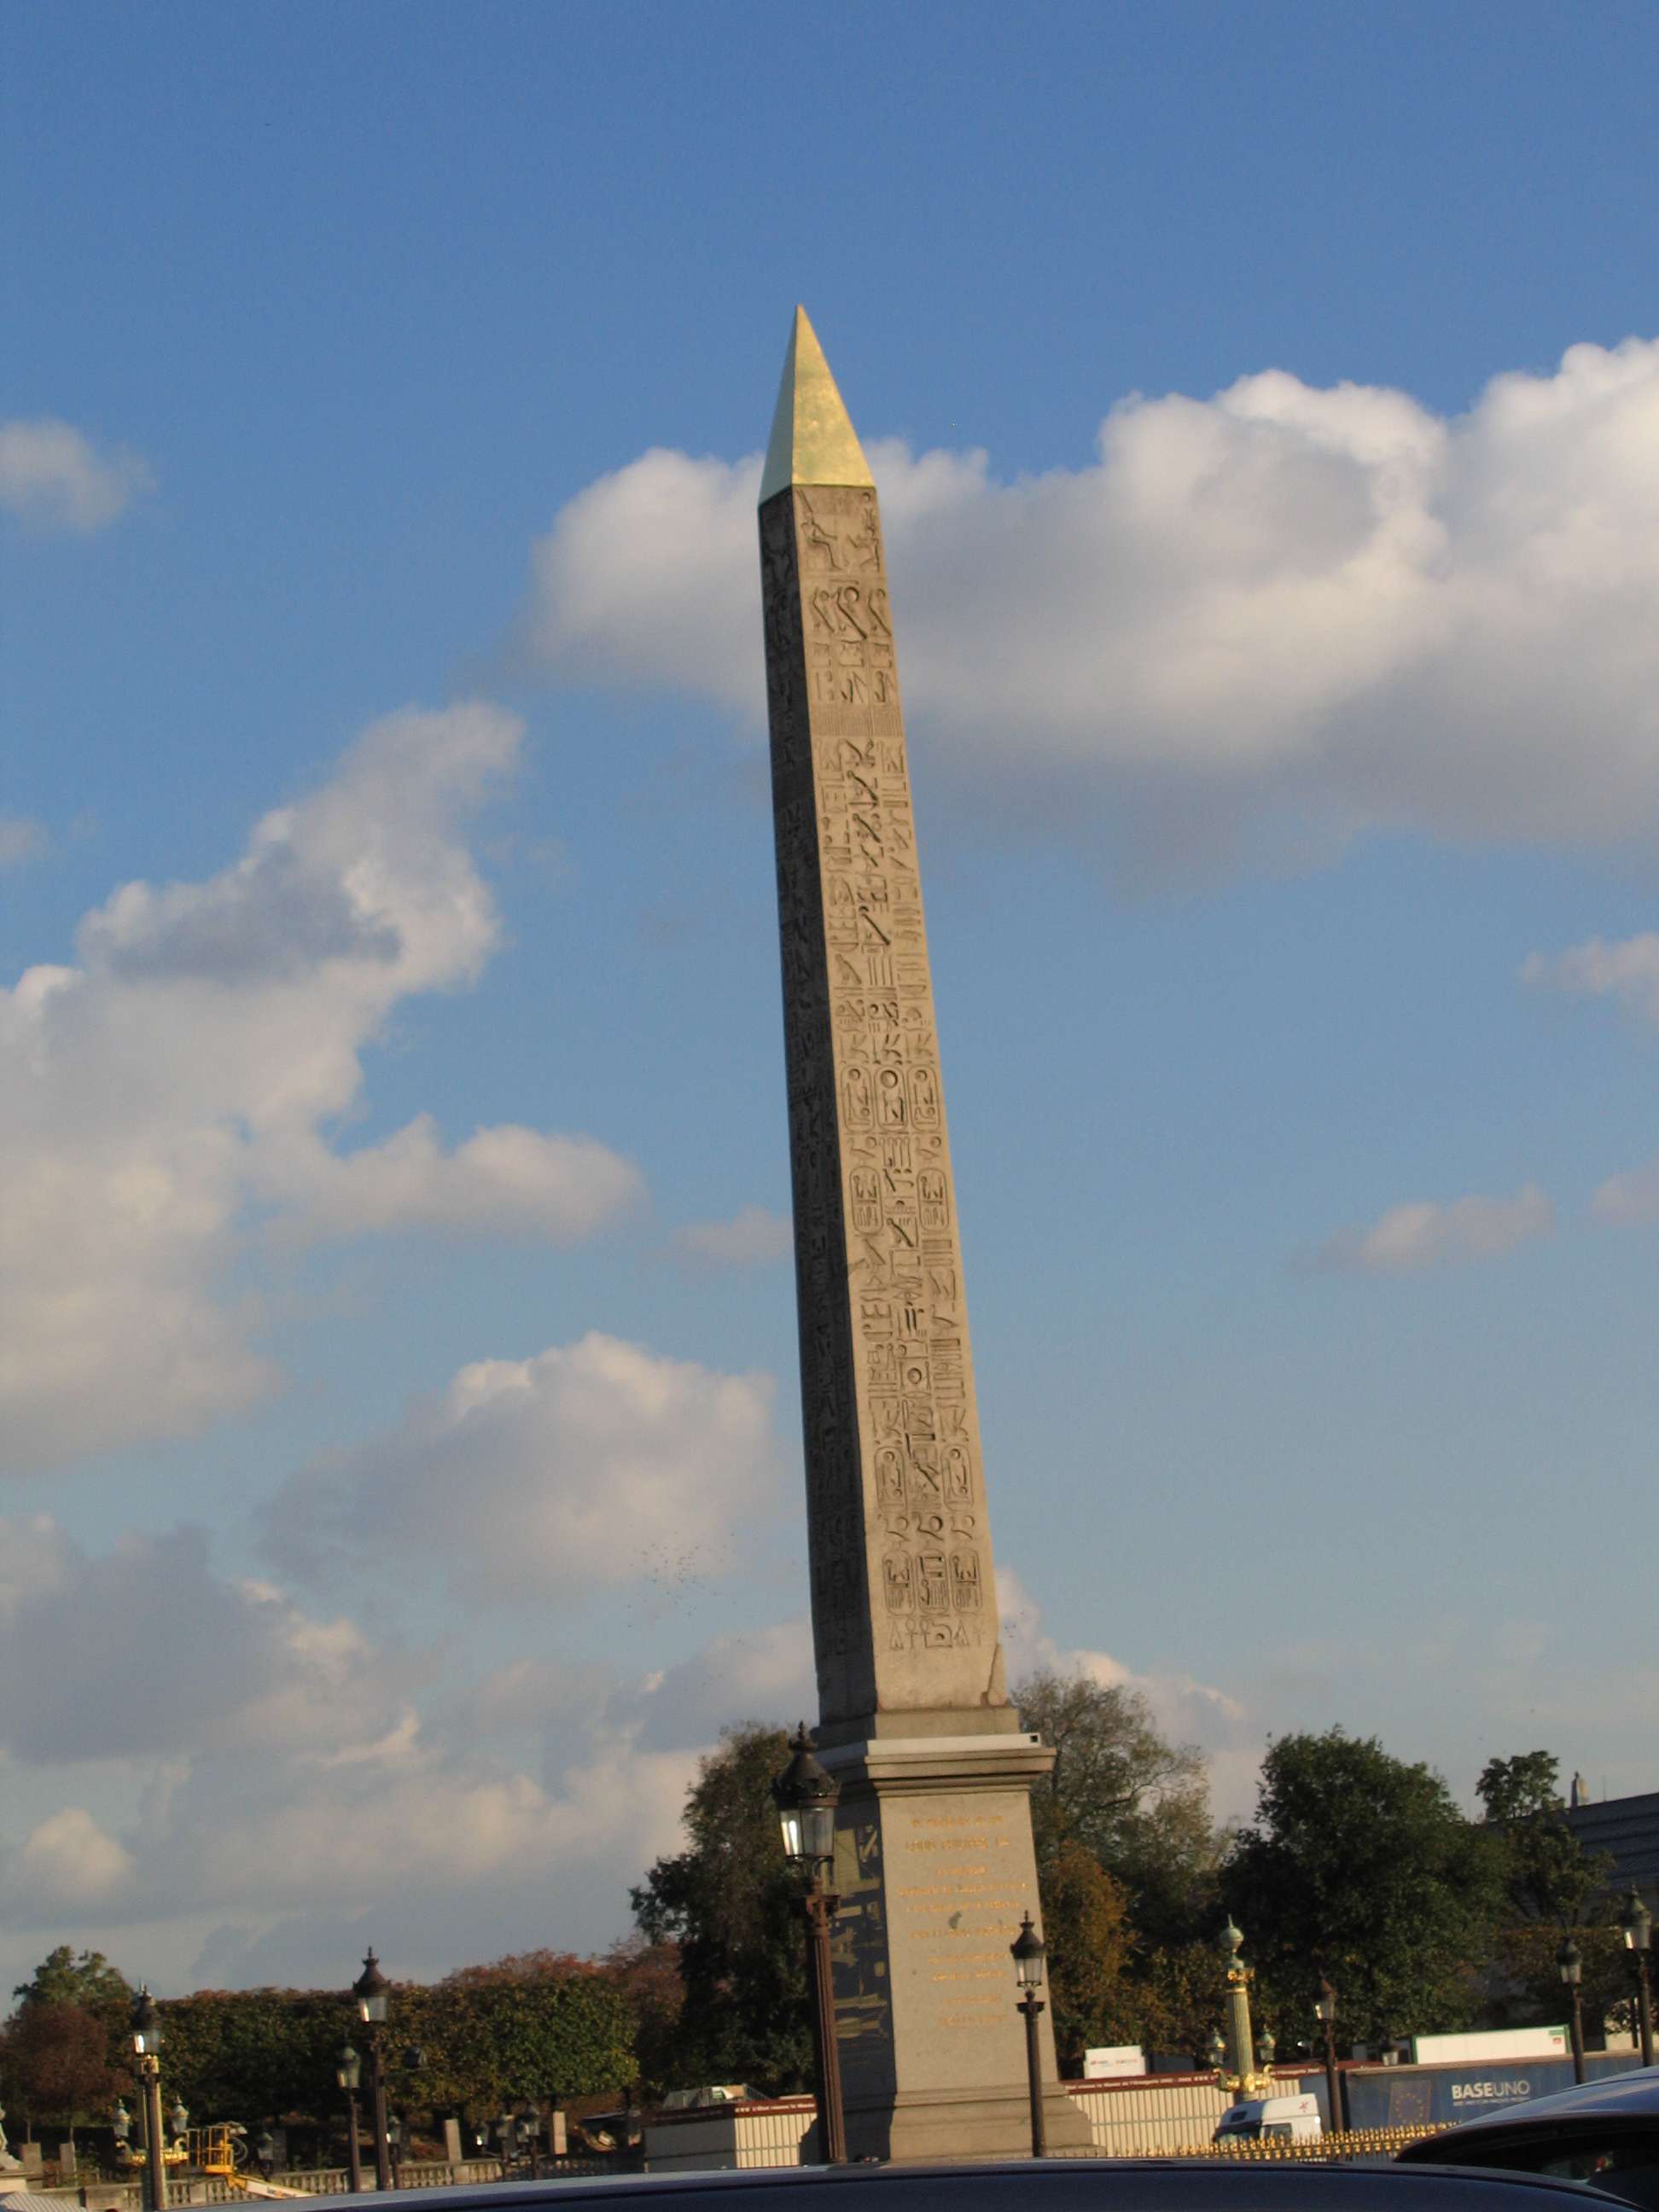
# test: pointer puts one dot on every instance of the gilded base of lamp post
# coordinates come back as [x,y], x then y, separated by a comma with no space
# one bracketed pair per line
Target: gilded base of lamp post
[1245,2079]
[155,2169]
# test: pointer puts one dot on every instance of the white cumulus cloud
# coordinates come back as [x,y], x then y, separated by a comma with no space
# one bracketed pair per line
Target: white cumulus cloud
[751,1238]
[53,476]
[1418,1236]
[1330,604]
[224,1663]
[180,1083]
[284,1775]
[1629,1200]
[591,1464]
[1627,971]
[66,1863]
[1185,1710]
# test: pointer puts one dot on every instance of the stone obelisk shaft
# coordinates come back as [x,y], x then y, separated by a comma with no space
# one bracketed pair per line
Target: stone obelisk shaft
[933,1860]
[903,1603]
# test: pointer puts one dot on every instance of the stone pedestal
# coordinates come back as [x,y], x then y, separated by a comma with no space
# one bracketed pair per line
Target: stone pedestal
[934,1865]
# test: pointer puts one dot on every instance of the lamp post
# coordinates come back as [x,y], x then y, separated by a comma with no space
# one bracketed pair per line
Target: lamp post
[1230,1942]
[147,2046]
[1570,1962]
[348,2072]
[805,1797]
[370,1989]
[1638,1924]
[1325,2012]
[1029,1951]
[120,2126]
[265,2151]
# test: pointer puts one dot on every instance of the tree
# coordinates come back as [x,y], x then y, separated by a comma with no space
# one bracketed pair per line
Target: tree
[646,1976]
[1524,1988]
[61,1979]
[1548,1873]
[540,2025]
[57,2055]
[1364,1868]
[1138,1802]
[1184,1997]
[85,1983]
[726,1900]
[1088,1938]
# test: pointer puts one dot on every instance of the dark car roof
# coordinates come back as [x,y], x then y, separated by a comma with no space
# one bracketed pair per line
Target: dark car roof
[1632,2096]
[1074,2185]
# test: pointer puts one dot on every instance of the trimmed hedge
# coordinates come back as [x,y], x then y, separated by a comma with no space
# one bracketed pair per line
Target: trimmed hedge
[254,2055]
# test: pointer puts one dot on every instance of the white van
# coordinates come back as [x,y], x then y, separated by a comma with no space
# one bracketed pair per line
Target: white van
[1269,2119]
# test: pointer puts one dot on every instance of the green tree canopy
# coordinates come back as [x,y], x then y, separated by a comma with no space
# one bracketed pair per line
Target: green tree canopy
[1548,1873]
[1138,1803]
[64,1978]
[527,2029]
[1363,1868]
[535,2027]
[726,1900]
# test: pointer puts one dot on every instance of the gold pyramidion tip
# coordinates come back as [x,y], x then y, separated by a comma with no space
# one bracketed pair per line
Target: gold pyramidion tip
[812,440]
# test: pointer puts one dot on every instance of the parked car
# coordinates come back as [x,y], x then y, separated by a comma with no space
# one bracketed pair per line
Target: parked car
[1074,2185]
[1604,2136]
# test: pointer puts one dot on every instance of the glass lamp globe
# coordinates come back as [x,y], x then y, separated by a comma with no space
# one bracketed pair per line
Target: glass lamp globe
[807,1796]
[370,1989]
[1029,1951]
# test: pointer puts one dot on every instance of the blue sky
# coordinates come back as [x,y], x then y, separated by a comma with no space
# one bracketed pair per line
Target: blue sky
[400,1425]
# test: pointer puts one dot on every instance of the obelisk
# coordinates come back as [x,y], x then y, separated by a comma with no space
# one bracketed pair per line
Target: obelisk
[934,1859]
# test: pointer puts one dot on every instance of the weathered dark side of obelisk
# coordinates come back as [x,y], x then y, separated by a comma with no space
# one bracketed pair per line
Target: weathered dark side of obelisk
[933,1848]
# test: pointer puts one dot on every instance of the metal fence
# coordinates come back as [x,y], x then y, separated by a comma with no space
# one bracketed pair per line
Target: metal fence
[317,2181]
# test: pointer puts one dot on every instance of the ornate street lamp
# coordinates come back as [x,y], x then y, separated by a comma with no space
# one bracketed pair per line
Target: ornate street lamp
[1638,1924]
[1325,2011]
[805,1796]
[178,2119]
[147,2047]
[120,2126]
[265,2151]
[347,2073]
[504,2137]
[1230,1942]
[1570,1962]
[371,1990]
[394,2136]
[1029,1951]
[1216,2052]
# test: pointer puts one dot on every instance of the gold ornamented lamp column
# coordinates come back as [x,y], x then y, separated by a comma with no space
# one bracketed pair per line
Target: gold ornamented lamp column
[1250,2064]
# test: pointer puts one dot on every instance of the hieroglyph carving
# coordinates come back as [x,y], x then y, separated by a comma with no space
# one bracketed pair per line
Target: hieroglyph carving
[903,1605]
